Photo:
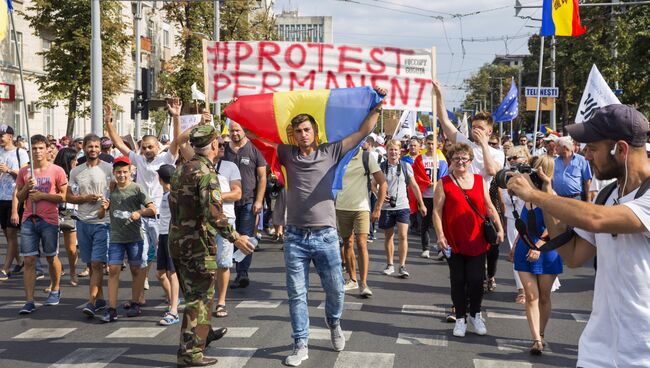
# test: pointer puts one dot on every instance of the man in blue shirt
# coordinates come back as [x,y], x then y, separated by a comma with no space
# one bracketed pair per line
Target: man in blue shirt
[572,175]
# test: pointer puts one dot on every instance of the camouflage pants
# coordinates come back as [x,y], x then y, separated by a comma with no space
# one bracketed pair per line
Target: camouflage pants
[197,285]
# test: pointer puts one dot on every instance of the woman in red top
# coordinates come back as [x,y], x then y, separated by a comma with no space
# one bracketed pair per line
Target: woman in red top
[460,228]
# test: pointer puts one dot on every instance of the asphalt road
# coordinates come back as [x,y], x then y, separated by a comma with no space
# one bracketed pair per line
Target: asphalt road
[400,326]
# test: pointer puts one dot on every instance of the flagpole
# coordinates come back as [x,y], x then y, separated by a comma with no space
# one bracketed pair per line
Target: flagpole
[22,86]
[434,110]
[539,87]
[511,123]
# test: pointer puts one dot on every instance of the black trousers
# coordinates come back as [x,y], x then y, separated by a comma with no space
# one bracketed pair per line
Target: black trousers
[427,224]
[466,275]
[492,258]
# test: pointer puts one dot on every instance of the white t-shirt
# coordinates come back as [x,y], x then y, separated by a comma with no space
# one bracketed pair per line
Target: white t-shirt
[227,173]
[618,331]
[598,185]
[429,163]
[519,204]
[8,181]
[147,173]
[397,186]
[91,180]
[478,163]
[165,215]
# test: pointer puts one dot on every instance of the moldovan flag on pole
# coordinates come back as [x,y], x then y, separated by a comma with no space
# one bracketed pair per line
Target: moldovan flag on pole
[5,8]
[561,18]
[338,113]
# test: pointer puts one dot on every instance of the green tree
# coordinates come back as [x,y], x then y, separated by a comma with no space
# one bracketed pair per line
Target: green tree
[240,20]
[67,71]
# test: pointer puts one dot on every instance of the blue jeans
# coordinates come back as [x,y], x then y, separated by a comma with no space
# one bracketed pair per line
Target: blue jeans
[245,224]
[301,247]
[93,241]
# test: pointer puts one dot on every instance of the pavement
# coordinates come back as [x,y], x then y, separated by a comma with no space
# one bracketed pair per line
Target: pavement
[402,325]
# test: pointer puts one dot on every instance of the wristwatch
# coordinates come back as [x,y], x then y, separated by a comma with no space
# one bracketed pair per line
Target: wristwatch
[378,110]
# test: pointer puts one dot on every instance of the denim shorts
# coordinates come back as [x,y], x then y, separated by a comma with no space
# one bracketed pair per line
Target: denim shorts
[34,232]
[225,250]
[92,240]
[389,218]
[133,251]
[163,258]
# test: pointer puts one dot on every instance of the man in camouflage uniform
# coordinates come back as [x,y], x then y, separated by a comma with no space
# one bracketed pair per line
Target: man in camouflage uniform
[196,217]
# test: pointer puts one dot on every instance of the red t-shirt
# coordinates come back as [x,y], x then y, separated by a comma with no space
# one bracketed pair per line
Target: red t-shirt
[463,228]
[49,179]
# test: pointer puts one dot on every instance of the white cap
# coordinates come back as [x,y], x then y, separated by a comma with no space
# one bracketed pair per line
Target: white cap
[379,139]
[551,138]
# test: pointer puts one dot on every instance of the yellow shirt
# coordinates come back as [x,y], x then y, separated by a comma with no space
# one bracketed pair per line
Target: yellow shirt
[354,195]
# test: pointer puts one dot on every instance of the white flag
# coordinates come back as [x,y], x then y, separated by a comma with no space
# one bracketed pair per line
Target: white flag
[406,125]
[596,94]
[463,127]
[196,94]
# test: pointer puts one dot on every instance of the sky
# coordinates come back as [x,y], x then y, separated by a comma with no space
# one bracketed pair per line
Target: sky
[412,24]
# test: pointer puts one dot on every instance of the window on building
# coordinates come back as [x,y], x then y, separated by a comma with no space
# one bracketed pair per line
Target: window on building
[17,114]
[150,28]
[166,38]
[48,120]
[47,45]
[12,49]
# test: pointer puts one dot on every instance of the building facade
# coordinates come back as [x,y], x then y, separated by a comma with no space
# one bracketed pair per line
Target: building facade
[295,28]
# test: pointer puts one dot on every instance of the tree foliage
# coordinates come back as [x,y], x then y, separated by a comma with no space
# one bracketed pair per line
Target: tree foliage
[240,20]
[67,24]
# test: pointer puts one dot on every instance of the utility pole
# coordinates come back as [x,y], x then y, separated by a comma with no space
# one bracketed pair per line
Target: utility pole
[137,13]
[217,37]
[614,45]
[554,107]
[96,70]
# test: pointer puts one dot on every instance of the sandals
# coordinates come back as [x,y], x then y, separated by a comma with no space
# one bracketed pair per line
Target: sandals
[73,280]
[537,347]
[84,273]
[220,311]
[521,298]
[169,319]
[491,284]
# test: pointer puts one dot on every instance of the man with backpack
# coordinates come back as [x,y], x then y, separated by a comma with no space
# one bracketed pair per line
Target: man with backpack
[353,215]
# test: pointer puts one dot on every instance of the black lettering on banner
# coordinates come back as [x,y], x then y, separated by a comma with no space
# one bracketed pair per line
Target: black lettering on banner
[589,107]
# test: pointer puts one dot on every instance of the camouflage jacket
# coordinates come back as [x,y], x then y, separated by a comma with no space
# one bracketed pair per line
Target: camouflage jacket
[196,211]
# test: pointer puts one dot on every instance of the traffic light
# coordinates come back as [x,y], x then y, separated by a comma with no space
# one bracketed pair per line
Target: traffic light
[141,98]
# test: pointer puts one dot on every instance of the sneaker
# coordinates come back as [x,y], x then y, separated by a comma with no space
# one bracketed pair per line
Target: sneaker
[146,283]
[134,311]
[28,308]
[299,354]
[4,276]
[337,337]
[40,275]
[370,239]
[403,273]
[110,315]
[491,284]
[54,298]
[460,327]
[18,269]
[89,310]
[478,323]
[389,270]
[424,254]
[351,285]
[365,291]
[451,317]
[100,304]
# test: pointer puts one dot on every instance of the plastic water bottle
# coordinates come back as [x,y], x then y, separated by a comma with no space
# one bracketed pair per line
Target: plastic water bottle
[122,214]
[447,252]
[239,256]
[75,189]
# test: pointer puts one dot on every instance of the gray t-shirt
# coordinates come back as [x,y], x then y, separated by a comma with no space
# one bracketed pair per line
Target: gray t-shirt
[90,180]
[8,181]
[248,159]
[396,185]
[123,201]
[309,184]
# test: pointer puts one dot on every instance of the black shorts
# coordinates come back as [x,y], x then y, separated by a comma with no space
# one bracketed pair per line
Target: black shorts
[163,259]
[5,215]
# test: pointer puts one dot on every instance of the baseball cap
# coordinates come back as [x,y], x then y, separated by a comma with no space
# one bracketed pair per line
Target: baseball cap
[78,139]
[539,135]
[165,172]
[202,135]
[121,160]
[613,122]
[6,129]
[552,138]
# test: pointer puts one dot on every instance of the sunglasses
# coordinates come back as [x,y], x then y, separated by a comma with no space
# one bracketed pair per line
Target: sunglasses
[461,159]
[512,158]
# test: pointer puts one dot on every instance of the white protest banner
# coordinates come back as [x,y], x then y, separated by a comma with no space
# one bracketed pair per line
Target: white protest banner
[596,94]
[188,121]
[406,125]
[239,68]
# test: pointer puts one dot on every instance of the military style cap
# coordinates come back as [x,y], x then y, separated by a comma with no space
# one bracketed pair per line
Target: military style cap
[202,135]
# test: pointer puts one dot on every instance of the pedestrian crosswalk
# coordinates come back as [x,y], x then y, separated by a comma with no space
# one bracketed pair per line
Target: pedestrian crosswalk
[136,332]
[44,333]
[422,339]
[356,359]
[90,358]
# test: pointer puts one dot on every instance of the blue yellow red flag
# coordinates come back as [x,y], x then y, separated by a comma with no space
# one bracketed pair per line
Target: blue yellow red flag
[5,8]
[561,18]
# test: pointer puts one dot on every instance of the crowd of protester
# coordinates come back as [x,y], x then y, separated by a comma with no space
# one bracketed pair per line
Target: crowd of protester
[110,202]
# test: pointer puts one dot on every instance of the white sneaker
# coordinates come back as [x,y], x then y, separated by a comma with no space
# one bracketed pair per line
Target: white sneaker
[365,291]
[425,254]
[478,324]
[389,270]
[146,283]
[460,327]
[351,285]
[403,273]
[298,355]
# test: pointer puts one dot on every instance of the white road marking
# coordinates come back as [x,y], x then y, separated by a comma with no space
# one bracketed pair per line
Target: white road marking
[355,359]
[486,363]
[346,305]
[136,332]
[421,339]
[89,358]
[259,304]
[231,357]
[44,333]
[241,332]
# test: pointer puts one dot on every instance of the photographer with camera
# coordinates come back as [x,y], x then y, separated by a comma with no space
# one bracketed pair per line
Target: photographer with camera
[615,227]
[395,210]
[461,207]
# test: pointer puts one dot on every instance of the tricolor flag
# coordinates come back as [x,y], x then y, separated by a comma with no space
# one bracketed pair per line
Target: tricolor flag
[338,113]
[561,18]
[5,7]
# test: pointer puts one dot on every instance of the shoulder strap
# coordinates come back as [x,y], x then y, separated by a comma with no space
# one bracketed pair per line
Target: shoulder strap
[469,201]
[643,188]
[602,196]
[18,156]
[365,157]
[407,178]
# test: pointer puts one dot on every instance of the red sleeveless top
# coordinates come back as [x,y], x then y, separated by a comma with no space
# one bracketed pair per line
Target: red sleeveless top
[463,228]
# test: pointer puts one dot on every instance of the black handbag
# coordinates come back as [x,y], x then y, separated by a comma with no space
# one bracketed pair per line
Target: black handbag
[489,229]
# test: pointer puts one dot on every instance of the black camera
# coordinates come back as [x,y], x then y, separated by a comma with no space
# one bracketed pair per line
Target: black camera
[502,176]
[392,201]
